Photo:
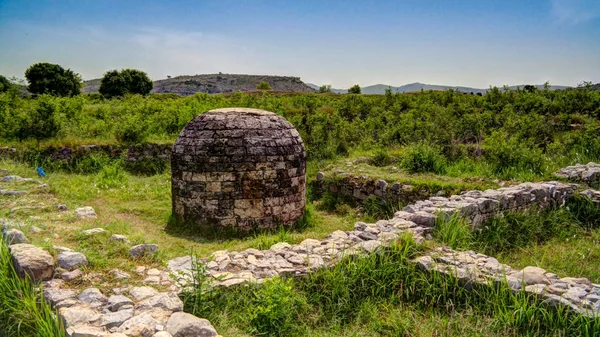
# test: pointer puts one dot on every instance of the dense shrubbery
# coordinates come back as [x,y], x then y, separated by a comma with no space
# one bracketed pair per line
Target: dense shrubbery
[117,83]
[52,79]
[515,130]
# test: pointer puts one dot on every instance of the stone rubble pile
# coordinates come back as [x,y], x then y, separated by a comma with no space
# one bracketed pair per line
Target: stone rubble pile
[471,268]
[589,174]
[133,311]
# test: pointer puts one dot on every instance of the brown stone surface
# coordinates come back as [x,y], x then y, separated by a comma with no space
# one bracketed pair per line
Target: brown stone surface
[239,169]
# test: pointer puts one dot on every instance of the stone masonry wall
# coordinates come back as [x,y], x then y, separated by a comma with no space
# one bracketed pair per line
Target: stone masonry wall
[238,169]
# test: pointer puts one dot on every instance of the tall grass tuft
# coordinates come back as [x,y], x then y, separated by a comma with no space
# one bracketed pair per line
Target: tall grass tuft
[23,310]
[454,231]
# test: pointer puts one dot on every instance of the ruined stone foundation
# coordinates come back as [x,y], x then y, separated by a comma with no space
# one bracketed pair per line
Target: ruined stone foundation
[238,169]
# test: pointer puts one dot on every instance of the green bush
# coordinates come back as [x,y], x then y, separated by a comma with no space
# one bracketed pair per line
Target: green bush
[381,157]
[509,154]
[116,83]
[111,176]
[422,158]
[275,309]
[52,79]
[263,86]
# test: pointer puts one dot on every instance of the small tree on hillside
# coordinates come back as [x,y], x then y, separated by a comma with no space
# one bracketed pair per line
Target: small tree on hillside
[116,83]
[4,84]
[263,86]
[48,78]
[354,90]
[325,88]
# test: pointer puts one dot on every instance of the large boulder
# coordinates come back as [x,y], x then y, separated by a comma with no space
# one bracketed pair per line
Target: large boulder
[32,261]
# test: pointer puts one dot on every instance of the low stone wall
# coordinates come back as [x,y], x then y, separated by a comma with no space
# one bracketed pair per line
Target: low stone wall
[589,174]
[131,153]
[358,189]
[283,259]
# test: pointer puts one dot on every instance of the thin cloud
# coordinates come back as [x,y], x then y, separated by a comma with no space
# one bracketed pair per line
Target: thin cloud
[575,11]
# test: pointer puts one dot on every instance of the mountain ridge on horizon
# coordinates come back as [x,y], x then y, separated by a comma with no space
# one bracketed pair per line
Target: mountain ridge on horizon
[417,86]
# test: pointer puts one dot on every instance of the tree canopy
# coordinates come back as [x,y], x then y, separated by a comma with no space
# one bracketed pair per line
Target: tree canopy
[355,89]
[116,83]
[52,79]
[4,84]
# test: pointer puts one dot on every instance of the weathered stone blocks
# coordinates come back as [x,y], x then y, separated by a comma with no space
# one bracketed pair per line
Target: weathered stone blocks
[238,169]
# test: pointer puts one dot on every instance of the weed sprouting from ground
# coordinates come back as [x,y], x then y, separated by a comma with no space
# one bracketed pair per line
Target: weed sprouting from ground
[112,176]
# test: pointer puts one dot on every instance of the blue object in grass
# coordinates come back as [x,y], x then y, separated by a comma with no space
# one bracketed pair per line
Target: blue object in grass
[40,172]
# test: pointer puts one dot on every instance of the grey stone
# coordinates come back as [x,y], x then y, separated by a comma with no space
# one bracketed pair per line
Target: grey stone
[143,249]
[71,260]
[32,261]
[165,301]
[91,295]
[55,296]
[139,293]
[85,212]
[77,315]
[14,236]
[185,325]
[115,319]
[116,302]
[87,331]
[71,275]
[93,231]
[119,238]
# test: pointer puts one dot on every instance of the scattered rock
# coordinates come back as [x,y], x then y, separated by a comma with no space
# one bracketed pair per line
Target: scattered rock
[85,212]
[71,275]
[13,236]
[93,231]
[119,274]
[32,261]
[71,260]
[182,324]
[77,315]
[119,238]
[143,249]
[62,208]
[115,319]
[55,296]
[87,331]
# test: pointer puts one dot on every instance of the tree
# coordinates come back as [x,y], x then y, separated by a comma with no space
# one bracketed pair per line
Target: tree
[116,83]
[263,86]
[4,84]
[325,88]
[354,90]
[48,78]
[530,88]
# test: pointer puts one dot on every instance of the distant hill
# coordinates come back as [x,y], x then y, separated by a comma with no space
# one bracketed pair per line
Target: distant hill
[216,83]
[380,88]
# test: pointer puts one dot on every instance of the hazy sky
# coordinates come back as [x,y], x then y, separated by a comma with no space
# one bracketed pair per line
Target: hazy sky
[454,42]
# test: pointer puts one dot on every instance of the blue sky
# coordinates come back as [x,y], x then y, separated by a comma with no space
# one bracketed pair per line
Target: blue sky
[452,42]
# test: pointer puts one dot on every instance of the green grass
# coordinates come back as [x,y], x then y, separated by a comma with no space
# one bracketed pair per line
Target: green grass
[23,310]
[379,295]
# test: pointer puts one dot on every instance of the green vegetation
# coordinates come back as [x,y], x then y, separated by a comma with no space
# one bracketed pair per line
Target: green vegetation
[263,86]
[117,83]
[23,310]
[380,294]
[355,89]
[4,84]
[52,79]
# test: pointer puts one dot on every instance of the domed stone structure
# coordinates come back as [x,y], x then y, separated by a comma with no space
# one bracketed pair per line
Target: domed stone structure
[238,169]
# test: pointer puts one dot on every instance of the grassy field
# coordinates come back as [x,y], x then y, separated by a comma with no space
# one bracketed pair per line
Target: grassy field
[441,141]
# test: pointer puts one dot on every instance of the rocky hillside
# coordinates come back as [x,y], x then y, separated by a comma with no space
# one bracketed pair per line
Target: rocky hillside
[216,83]
[379,89]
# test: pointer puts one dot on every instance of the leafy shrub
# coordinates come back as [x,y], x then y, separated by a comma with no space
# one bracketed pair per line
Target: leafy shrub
[423,157]
[4,84]
[275,308]
[111,176]
[263,86]
[355,89]
[381,157]
[52,79]
[509,154]
[132,131]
